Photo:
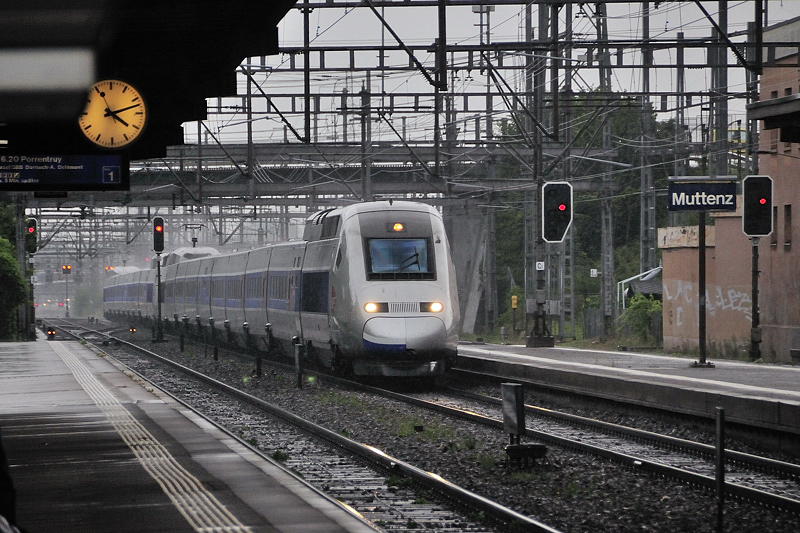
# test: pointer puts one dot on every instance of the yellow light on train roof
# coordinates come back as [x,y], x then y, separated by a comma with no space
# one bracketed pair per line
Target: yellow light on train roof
[398,226]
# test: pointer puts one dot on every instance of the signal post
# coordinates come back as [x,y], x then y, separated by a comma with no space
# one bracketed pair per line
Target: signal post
[158,247]
[756,223]
[556,206]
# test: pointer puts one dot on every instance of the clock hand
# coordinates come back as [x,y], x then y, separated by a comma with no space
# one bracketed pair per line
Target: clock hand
[123,109]
[113,114]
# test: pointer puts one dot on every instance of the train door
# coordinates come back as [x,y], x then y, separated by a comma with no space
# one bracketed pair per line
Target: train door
[148,294]
[203,309]
[137,291]
[169,286]
[283,290]
[255,289]
[179,296]
[316,295]
[190,295]
[218,278]
[234,290]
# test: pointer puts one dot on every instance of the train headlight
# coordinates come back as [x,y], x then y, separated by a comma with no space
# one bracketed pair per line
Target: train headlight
[432,307]
[376,307]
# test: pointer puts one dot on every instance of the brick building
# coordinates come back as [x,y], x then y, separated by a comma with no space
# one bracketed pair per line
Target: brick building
[729,251]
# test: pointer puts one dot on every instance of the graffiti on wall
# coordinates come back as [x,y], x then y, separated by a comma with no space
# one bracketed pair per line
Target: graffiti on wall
[683,299]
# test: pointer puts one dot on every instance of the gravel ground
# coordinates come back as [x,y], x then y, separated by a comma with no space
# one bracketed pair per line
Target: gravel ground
[569,491]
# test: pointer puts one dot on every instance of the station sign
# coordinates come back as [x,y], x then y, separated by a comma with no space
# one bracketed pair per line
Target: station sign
[702,196]
[47,173]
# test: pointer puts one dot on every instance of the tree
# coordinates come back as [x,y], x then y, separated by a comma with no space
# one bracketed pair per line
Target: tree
[8,222]
[626,125]
[14,293]
[640,314]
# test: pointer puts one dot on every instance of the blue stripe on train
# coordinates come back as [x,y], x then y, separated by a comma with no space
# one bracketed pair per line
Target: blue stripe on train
[376,347]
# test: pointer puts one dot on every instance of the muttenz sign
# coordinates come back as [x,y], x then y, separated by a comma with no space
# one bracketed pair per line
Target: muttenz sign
[698,196]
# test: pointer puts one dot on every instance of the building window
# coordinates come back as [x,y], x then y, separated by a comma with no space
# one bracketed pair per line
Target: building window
[787,226]
[773,139]
[773,237]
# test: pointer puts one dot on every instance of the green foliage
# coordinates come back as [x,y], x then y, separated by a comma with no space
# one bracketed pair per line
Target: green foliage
[280,456]
[639,315]
[626,120]
[8,223]
[14,290]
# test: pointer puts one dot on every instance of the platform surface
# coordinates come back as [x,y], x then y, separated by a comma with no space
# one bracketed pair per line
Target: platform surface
[761,394]
[91,449]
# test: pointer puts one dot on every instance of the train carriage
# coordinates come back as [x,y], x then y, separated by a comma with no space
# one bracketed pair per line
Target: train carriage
[370,289]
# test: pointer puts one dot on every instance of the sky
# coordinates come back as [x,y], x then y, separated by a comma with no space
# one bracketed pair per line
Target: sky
[341,26]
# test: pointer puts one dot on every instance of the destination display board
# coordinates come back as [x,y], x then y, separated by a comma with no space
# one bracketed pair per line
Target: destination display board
[697,196]
[44,172]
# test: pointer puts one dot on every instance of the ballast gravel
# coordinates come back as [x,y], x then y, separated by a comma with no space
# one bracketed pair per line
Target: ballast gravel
[568,491]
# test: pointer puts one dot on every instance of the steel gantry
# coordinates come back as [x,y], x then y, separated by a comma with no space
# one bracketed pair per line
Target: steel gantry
[428,117]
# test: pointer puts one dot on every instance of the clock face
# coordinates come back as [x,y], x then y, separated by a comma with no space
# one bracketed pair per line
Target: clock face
[115,114]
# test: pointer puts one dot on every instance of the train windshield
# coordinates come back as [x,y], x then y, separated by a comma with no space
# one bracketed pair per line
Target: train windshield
[399,259]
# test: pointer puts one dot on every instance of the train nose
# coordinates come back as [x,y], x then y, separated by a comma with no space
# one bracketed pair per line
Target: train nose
[416,334]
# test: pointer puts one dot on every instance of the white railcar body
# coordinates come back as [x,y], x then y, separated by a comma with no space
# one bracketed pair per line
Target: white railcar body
[370,289]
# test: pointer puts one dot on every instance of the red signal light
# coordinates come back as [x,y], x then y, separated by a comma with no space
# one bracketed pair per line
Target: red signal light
[31,230]
[158,234]
[762,201]
[61,304]
[562,207]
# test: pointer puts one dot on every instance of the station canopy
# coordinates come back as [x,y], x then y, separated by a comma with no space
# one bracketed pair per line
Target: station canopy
[176,53]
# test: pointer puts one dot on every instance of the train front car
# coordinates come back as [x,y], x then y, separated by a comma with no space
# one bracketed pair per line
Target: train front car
[394,300]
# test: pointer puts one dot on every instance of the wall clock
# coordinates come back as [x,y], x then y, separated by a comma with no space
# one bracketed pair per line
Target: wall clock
[115,114]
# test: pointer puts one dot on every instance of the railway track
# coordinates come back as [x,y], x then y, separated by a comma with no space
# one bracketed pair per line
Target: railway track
[393,494]
[748,478]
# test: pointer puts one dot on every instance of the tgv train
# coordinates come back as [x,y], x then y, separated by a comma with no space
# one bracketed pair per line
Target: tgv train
[370,289]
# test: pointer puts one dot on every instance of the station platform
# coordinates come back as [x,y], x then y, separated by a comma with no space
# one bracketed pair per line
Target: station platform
[91,449]
[761,395]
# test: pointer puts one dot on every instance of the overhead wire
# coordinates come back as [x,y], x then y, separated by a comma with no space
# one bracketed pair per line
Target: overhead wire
[419,126]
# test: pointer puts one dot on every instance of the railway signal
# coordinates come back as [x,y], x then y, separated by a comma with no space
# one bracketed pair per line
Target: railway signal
[757,206]
[556,210]
[158,235]
[32,236]
[66,269]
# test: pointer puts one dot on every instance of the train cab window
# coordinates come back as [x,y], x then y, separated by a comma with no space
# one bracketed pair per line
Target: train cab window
[399,259]
[330,227]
